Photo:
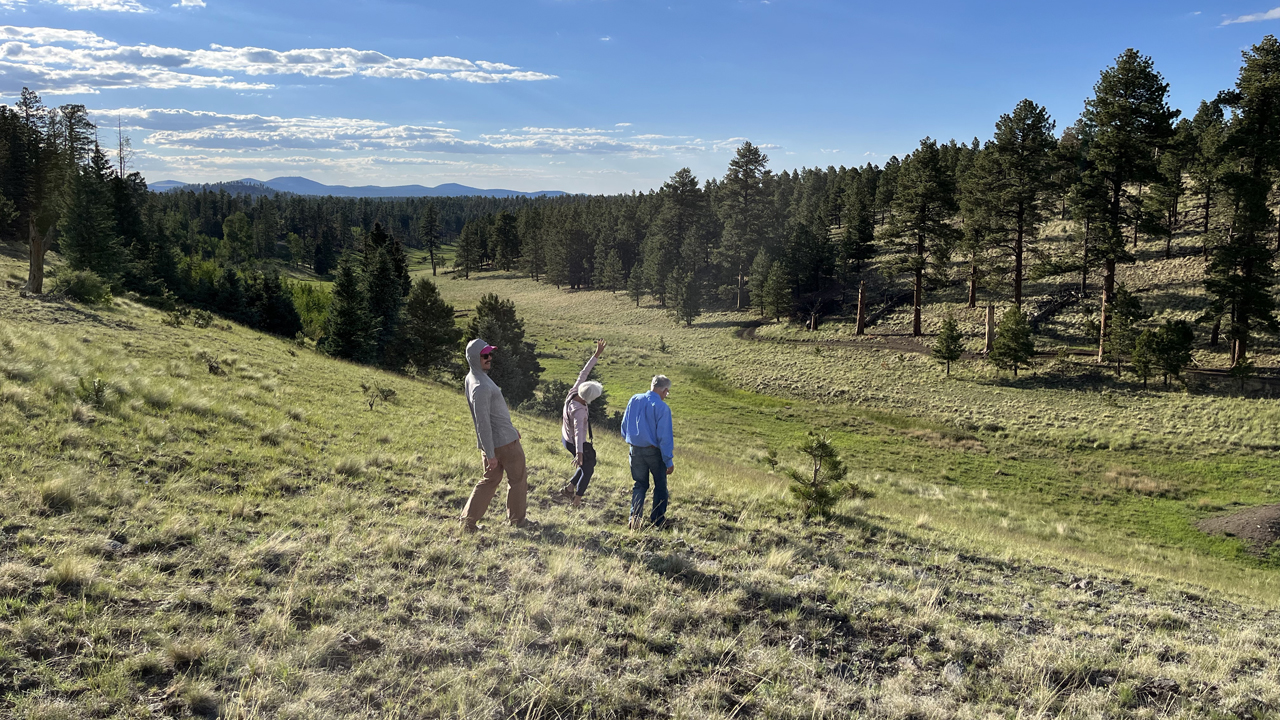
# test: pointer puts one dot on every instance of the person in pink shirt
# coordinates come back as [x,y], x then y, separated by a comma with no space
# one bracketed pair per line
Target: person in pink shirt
[575,429]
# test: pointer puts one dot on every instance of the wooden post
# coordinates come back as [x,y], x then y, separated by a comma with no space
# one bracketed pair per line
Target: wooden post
[862,297]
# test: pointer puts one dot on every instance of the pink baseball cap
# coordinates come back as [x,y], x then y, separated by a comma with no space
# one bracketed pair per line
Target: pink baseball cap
[488,349]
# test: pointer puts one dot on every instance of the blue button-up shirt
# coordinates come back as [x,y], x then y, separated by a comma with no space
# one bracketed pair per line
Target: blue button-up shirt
[647,421]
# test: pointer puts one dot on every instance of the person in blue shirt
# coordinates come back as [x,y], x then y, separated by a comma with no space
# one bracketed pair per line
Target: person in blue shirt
[646,426]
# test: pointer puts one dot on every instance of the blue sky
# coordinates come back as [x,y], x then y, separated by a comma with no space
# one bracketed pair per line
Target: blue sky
[596,96]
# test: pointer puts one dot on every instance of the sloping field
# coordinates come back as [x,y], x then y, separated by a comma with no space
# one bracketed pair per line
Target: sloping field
[212,522]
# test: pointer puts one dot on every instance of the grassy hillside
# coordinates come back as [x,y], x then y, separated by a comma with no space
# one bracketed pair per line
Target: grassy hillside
[213,522]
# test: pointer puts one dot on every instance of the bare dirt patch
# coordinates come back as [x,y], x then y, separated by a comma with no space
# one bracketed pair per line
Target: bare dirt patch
[1257,526]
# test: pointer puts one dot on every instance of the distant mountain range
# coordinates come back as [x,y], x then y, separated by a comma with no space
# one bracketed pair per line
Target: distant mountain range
[303,186]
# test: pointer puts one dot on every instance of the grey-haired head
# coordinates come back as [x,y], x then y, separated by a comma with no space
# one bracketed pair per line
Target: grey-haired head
[660,382]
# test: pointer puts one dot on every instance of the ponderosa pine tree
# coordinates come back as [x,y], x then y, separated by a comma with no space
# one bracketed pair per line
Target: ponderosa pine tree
[779,292]
[88,233]
[515,366]
[949,345]
[923,205]
[237,239]
[1208,128]
[1241,272]
[1122,332]
[1144,356]
[635,284]
[430,233]
[1017,182]
[745,209]
[1130,122]
[759,280]
[350,331]
[1014,345]
[505,241]
[382,289]
[685,292]
[428,336]
[1173,347]
[857,241]
[469,252]
[533,247]
[887,188]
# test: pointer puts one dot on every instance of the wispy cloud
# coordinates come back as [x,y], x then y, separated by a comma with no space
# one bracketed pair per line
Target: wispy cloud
[53,60]
[189,3]
[1273,14]
[100,5]
[187,131]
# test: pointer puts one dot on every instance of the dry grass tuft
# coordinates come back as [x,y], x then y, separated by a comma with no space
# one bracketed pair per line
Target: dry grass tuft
[275,435]
[350,467]
[72,573]
[1135,482]
[82,413]
[61,494]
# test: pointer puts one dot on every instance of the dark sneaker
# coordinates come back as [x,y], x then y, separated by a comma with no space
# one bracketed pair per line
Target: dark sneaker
[568,492]
[663,523]
[526,524]
[470,528]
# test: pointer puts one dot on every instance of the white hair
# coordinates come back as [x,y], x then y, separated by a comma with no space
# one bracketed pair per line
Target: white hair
[660,382]
[590,390]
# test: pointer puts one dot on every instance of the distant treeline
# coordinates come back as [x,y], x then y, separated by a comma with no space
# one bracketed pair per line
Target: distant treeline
[1128,171]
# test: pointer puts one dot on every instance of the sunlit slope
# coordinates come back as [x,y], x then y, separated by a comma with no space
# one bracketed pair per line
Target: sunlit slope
[212,521]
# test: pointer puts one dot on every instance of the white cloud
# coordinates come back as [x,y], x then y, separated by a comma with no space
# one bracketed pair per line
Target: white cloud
[53,60]
[622,124]
[1273,14]
[189,3]
[101,5]
[180,131]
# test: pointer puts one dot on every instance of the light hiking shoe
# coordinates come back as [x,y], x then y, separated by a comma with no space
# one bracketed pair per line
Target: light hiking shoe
[568,492]
[635,523]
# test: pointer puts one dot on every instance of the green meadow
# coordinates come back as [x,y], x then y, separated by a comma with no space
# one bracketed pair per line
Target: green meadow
[212,522]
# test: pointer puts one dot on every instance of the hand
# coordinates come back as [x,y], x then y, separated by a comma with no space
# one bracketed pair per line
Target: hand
[671,469]
[490,464]
[600,347]
[577,461]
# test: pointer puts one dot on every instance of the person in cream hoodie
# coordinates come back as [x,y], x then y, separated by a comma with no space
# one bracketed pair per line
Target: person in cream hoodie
[498,439]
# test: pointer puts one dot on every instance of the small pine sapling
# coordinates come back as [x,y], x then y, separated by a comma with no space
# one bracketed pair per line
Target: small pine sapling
[1144,355]
[1173,347]
[1014,345]
[818,490]
[948,347]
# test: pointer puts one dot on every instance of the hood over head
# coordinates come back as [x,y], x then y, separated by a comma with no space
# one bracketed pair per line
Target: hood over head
[473,355]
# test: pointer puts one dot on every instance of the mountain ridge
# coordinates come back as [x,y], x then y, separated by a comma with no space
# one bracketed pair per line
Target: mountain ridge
[305,186]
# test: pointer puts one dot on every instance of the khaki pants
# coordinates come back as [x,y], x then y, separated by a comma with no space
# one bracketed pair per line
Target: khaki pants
[511,459]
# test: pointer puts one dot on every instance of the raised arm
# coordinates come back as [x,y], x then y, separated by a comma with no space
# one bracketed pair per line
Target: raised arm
[591,363]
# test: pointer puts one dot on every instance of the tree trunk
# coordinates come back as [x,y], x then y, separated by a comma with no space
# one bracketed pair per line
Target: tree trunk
[1017,269]
[741,286]
[1108,294]
[862,306]
[1216,332]
[917,301]
[38,247]
[1136,224]
[1084,262]
[432,252]
[1208,194]
[973,285]
[991,327]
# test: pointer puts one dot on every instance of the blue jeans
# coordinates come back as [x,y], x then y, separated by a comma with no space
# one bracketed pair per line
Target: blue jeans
[582,478]
[644,462]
